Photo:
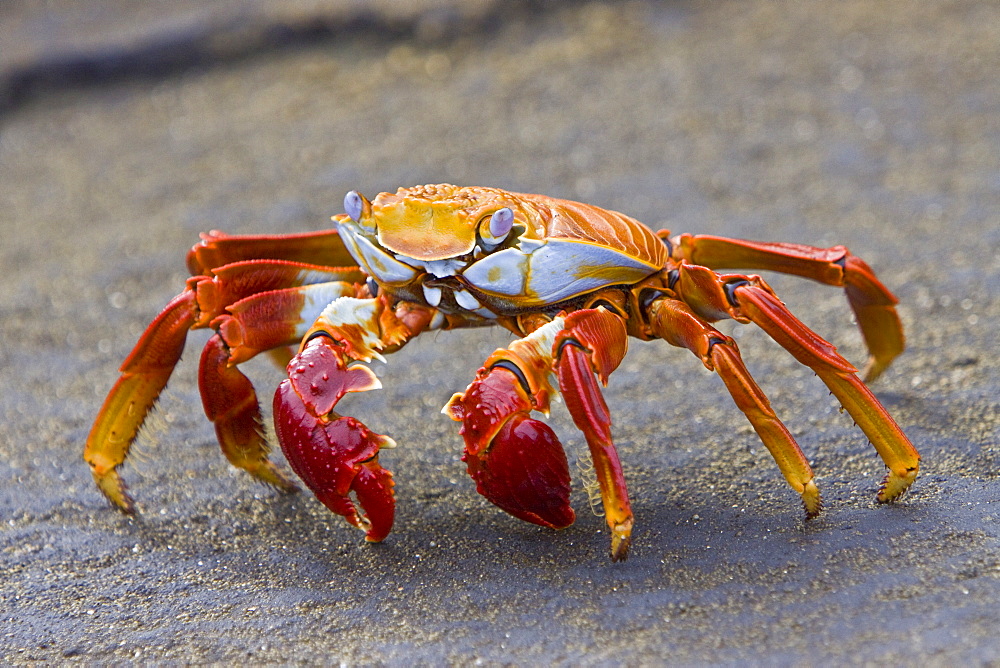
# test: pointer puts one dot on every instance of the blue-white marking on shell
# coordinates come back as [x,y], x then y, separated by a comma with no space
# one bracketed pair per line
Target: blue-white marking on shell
[437,268]
[553,271]
[382,266]
[466,300]
[559,269]
[502,273]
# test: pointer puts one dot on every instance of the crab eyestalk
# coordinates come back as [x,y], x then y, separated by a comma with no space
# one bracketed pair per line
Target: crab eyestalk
[335,456]
[357,206]
[495,229]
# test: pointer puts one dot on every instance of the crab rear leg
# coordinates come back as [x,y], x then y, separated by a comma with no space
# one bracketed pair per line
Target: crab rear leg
[899,455]
[673,321]
[750,299]
[873,305]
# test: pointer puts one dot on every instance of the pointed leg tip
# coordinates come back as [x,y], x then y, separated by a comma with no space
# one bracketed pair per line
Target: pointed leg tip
[284,485]
[811,500]
[873,369]
[270,475]
[114,490]
[896,484]
[621,540]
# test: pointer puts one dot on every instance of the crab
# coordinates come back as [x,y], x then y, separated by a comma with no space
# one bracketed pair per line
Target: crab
[572,282]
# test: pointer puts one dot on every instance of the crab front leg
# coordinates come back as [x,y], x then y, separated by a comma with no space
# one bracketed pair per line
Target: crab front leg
[592,345]
[873,304]
[144,374]
[337,456]
[518,462]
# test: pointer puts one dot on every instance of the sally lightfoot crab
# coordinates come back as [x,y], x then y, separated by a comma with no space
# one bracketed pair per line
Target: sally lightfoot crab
[571,281]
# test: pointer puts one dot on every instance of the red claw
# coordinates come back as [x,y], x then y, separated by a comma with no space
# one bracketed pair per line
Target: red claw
[516,461]
[334,455]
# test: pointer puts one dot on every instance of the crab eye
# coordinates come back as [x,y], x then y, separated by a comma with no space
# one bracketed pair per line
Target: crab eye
[353,205]
[498,227]
[501,223]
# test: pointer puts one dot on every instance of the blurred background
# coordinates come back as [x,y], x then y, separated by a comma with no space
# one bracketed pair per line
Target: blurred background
[128,128]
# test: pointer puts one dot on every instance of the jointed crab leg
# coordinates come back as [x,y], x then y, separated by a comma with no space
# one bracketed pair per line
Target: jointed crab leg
[749,299]
[673,321]
[899,455]
[216,249]
[276,318]
[873,304]
[594,342]
[145,373]
[148,368]
[231,404]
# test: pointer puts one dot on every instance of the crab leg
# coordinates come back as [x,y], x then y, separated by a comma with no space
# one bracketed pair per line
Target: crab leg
[337,456]
[594,342]
[216,249]
[148,367]
[750,299]
[144,374]
[673,321]
[264,321]
[230,402]
[233,282]
[873,305]
[899,455]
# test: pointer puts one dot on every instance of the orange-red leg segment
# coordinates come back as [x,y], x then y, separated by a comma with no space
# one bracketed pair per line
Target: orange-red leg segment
[750,299]
[230,402]
[873,304]
[899,455]
[144,374]
[276,319]
[229,284]
[673,321]
[594,342]
[216,249]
